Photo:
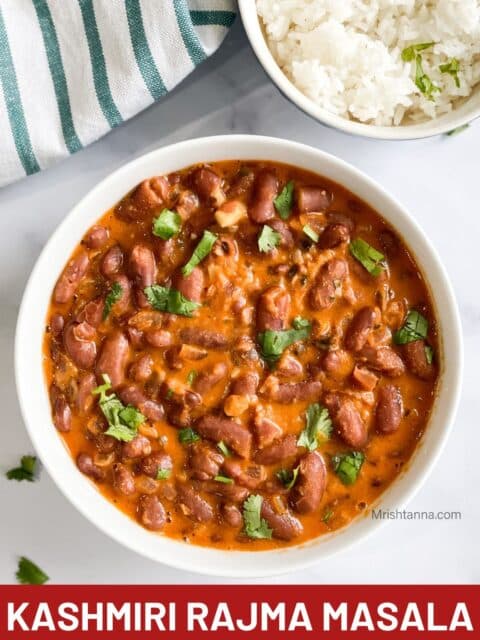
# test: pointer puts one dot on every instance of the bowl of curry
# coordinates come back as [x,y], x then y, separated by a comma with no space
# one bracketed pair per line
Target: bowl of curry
[233,350]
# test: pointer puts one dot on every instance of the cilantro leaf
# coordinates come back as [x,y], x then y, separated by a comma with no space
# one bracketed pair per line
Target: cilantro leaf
[327,516]
[347,466]
[423,82]
[310,233]
[170,300]
[452,67]
[223,479]
[123,421]
[255,525]
[188,436]
[318,427]
[167,225]
[458,130]
[284,201]
[288,477]
[429,354]
[26,470]
[370,258]
[414,328]
[274,343]
[221,446]
[201,251]
[410,52]
[191,377]
[163,474]
[30,573]
[268,239]
[113,296]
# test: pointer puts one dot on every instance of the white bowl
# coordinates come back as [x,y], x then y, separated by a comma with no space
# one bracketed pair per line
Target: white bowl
[462,114]
[33,394]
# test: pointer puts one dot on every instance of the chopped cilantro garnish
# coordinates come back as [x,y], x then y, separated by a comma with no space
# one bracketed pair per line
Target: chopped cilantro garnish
[274,343]
[123,421]
[201,251]
[223,479]
[288,477]
[170,300]
[284,201]
[167,224]
[268,239]
[310,233]
[414,328]
[221,446]
[347,466]
[370,258]
[113,296]
[452,67]
[255,525]
[188,436]
[318,427]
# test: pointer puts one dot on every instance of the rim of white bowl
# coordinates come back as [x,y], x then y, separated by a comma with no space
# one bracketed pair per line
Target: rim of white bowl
[464,114]
[33,396]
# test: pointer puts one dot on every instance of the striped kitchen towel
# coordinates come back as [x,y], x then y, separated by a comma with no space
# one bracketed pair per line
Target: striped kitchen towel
[71,70]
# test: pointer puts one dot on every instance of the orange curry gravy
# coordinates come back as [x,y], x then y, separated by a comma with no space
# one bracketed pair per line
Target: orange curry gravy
[207,372]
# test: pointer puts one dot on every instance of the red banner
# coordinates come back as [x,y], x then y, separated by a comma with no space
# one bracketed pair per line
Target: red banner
[299,611]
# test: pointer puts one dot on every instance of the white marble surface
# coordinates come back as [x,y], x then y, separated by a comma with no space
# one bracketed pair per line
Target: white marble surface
[436,179]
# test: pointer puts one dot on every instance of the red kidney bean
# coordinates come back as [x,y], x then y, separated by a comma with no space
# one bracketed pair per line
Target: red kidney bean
[383,359]
[56,325]
[311,482]
[133,395]
[62,414]
[204,338]
[190,286]
[113,358]
[337,364]
[333,236]
[359,329]
[158,338]
[416,360]
[151,513]
[86,384]
[105,444]
[389,410]
[312,199]
[142,266]
[337,217]
[265,190]
[112,261]
[286,237]
[91,313]
[266,431]
[123,480]
[193,505]
[279,451]
[141,369]
[245,385]
[136,337]
[204,461]
[186,204]
[234,435]
[291,391]
[288,366]
[231,492]
[347,420]
[122,305]
[284,526]
[89,468]
[96,237]
[273,307]
[149,194]
[323,292]
[68,282]
[250,476]
[208,378]
[208,185]
[153,463]
[389,243]
[78,339]
[232,515]
[364,378]
[137,448]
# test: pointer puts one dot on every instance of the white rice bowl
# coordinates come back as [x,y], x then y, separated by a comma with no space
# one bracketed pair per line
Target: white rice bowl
[346,55]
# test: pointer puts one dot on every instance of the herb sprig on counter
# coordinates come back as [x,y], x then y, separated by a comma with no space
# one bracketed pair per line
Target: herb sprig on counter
[29,573]
[26,470]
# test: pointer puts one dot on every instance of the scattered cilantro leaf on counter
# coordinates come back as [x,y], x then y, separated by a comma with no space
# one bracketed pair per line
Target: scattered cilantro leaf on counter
[458,130]
[452,67]
[370,258]
[123,421]
[167,225]
[310,233]
[170,300]
[188,436]
[347,466]
[222,447]
[26,470]
[429,353]
[288,477]
[113,296]
[255,525]
[268,239]
[274,343]
[223,479]
[200,252]
[191,377]
[30,573]
[318,427]
[163,474]
[284,201]
[414,328]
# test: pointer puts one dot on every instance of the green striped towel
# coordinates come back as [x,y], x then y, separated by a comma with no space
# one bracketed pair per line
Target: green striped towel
[71,70]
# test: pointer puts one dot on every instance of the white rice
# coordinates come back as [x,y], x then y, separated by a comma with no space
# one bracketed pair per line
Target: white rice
[346,54]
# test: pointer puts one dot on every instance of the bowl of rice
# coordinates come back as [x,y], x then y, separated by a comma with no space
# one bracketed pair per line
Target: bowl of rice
[389,69]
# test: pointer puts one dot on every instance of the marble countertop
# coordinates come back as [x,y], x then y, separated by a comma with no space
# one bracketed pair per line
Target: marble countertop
[437,179]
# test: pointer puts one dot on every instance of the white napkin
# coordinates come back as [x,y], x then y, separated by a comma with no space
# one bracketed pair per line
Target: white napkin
[71,70]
